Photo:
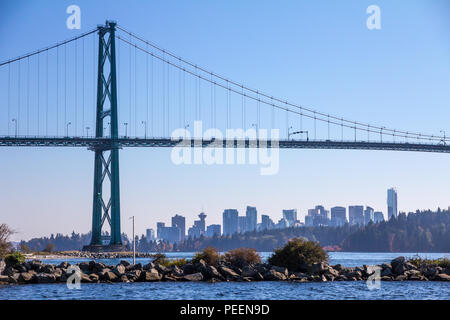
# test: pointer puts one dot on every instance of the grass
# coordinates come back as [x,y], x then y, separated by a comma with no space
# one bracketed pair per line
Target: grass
[418,262]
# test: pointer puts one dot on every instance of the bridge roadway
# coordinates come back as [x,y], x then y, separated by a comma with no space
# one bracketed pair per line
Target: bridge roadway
[106,143]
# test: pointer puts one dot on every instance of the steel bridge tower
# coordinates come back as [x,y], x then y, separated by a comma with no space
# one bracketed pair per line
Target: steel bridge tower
[106,155]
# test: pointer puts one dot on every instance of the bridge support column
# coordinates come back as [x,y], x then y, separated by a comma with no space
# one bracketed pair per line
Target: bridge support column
[106,158]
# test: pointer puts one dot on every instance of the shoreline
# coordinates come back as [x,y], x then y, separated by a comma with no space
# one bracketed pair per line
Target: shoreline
[399,269]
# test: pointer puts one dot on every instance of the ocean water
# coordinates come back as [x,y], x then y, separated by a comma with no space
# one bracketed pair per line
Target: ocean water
[417,290]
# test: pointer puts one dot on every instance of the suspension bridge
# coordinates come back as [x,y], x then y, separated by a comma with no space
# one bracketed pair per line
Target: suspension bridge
[108,89]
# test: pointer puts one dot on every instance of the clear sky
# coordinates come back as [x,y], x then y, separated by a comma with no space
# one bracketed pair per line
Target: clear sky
[315,53]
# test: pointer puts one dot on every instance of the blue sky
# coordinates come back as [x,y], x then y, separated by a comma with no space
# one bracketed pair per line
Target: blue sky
[315,53]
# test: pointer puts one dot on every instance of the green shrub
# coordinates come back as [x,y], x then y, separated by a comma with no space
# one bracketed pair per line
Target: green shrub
[419,262]
[14,258]
[242,256]
[298,253]
[210,255]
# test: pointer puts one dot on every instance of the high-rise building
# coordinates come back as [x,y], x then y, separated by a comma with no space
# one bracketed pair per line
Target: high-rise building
[230,221]
[291,216]
[150,235]
[392,203]
[356,215]
[266,222]
[180,222]
[202,222]
[338,216]
[170,234]
[213,230]
[252,218]
[159,226]
[368,215]
[242,224]
[282,223]
[378,216]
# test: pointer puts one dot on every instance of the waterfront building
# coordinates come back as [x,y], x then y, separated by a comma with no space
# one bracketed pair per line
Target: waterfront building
[266,223]
[159,226]
[170,234]
[378,217]
[150,235]
[242,224]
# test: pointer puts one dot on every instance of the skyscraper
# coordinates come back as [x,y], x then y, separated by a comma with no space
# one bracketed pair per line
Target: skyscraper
[242,224]
[202,223]
[338,216]
[213,230]
[266,222]
[180,222]
[378,216]
[159,226]
[252,218]
[368,215]
[291,216]
[150,235]
[356,215]
[392,203]
[230,221]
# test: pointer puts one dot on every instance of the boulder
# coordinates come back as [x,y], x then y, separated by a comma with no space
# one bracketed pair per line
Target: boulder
[85,278]
[282,270]
[45,278]
[151,275]
[176,271]
[316,268]
[188,268]
[2,265]
[119,270]
[331,271]
[134,274]
[84,266]
[132,267]
[213,273]
[4,279]
[94,277]
[193,277]
[228,273]
[125,263]
[386,272]
[338,267]
[442,277]
[148,266]
[401,277]
[248,271]
[398,265]
[273,275]
[109,276]
[261,268]
[162,269]
[201,267]
[63,265]
[21,268]
[35,264]
[124,278]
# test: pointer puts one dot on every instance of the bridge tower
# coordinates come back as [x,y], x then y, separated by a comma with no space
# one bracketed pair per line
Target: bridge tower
[106,163]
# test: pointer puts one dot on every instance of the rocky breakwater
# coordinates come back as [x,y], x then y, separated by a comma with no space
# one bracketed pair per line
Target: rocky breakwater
[95,272]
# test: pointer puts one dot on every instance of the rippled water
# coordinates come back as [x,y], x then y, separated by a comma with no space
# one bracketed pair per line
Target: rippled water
[244,290]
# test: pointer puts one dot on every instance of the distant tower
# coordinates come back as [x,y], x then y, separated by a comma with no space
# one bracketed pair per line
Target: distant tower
[202,223]
[392,203]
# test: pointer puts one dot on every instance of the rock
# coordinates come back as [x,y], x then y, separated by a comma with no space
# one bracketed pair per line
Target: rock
[213,273]
[188,268]
[176,271]
[228,273]
[26,277]
[94,277]
[170,278]
[48,268]
[323,278]
[442,277]
[9,271]
[35,264]
[151,275]
[386,272]
[125,263]
[109,276]
[123,278]
[338,267]
[119,270]
[2,265]
[132,267]
[316,268]
[386,278]
[297,276]
[4,279]
[273,275]
[401,277]
[84,266]
[282,270]
[45,278]
[201,267]
[430,272]
[134,274]
[162,269]
[85,278]
[21,268]
[148,266]
[63,265]
[398,265]
[248,271]
[331,271]
[193,277]
[261,268]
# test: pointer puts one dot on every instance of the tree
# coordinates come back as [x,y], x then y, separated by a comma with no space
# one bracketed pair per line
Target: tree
[5,244]
[49,247]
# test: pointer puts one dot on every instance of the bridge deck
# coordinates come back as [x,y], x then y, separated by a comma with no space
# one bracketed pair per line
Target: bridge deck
[122,142]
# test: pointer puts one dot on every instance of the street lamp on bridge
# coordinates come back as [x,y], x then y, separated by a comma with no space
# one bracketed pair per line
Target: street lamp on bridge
[67,128]
[15,129]
[126,127]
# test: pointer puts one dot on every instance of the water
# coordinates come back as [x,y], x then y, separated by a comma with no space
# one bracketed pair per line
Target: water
[244,290]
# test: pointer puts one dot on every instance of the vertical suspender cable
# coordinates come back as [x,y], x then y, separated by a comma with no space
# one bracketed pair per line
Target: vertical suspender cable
[38,93]
[82,95]
[57,91]
[18,99]
[46,95]
[76,88]
[9,97]
[65,86]
[135,92]
[28,96]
